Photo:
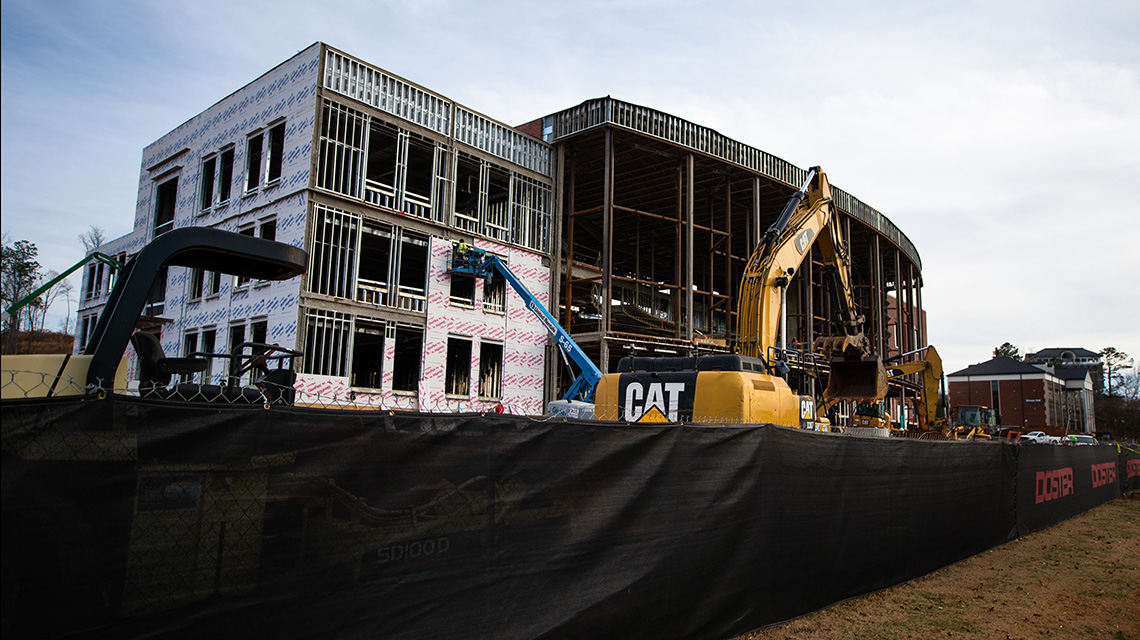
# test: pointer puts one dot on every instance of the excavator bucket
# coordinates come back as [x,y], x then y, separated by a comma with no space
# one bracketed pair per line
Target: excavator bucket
[857,379]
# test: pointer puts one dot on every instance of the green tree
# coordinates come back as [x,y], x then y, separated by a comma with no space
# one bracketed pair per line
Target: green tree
[1115,364]
[1008,350]
[19,272]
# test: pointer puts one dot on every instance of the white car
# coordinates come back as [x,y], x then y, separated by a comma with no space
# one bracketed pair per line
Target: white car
[1079,440]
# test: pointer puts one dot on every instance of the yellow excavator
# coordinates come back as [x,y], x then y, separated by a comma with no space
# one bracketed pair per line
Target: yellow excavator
[751,385]
[931,422]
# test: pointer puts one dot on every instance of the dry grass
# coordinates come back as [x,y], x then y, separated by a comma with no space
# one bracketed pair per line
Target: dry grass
[1077,579]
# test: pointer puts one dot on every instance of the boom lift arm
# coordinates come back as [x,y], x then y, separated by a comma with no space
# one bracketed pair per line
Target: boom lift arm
[477,262]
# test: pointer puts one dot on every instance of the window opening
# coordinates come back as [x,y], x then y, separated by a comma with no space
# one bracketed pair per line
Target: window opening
[495,293]
[458,366]
[498,205]
[213,284]
[406,361]
[276,154]
[326,342]
[268,229]
[467,194]
[209,168]
[156,300]
[209,337]
[237,337]
[197,284]
[165,199]
[333,254]
[420,174]
[342,149]
[490,370]
[373,278]
[242,281]
[380,181]
[189,345]
[462,288]
[413,272]
[253,149]
[367,354]
[530,215]
[225,176]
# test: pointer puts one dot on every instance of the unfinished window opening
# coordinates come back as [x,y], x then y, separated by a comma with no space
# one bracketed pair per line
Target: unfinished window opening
[458,370]
[530,216]
[213,284]
[341,161]
[156,300]
[268,229]
[94,284]
[208,338]
[253,149]
[467,194]
[189,346]
[206,196]
[333,253]
[86,327]
[240,282]
[373,277]
[463,289]
[406,361]
[490,370]
[498,205]
[275,154]
[380,180]
[225,176]
[237,338]
[197,285]
[368,354]
[259,331]
[165,200]
[326,342]
[413,272]
[495,293]
[419,178]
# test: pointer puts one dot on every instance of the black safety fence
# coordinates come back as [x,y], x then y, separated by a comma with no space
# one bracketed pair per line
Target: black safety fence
[127,517]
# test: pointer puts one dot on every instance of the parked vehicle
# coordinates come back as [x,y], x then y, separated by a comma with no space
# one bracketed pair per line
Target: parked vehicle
[1079,440]
[1033,437]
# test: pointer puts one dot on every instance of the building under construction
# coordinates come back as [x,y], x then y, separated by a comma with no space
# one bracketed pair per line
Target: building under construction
[632,225]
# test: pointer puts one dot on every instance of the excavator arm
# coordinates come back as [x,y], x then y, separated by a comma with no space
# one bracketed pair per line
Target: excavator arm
[806,220]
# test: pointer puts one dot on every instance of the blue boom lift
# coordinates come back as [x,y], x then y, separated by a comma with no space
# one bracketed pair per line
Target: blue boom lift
[578,401]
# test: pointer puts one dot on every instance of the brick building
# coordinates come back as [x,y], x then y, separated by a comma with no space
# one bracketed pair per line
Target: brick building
[1027,396]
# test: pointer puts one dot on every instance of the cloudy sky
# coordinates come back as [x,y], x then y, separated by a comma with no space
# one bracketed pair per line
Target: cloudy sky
[1002,137]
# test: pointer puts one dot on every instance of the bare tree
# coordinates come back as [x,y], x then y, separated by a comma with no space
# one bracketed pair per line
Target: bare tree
[92,238]
[1115,363]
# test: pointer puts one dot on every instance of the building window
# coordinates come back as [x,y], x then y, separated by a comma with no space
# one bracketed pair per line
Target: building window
[495,293]
[225,176]
[498,205]
[411,295]
[458,371]
[467,194]
[197,285]
[342,151]
[94,284]
[156,300]
[206,194]
[253,150]
[213,285]
[165,200]
[380,179]
[367,354]
[189,346]
[208,340]
[240,282]
[326,342]
[490,370]
[275,154]
[332,259]
[463,289]
[406,360]
[995,397]
[86,328]
[373,281]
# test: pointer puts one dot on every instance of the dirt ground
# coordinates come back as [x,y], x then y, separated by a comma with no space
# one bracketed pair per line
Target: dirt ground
[1077,579]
